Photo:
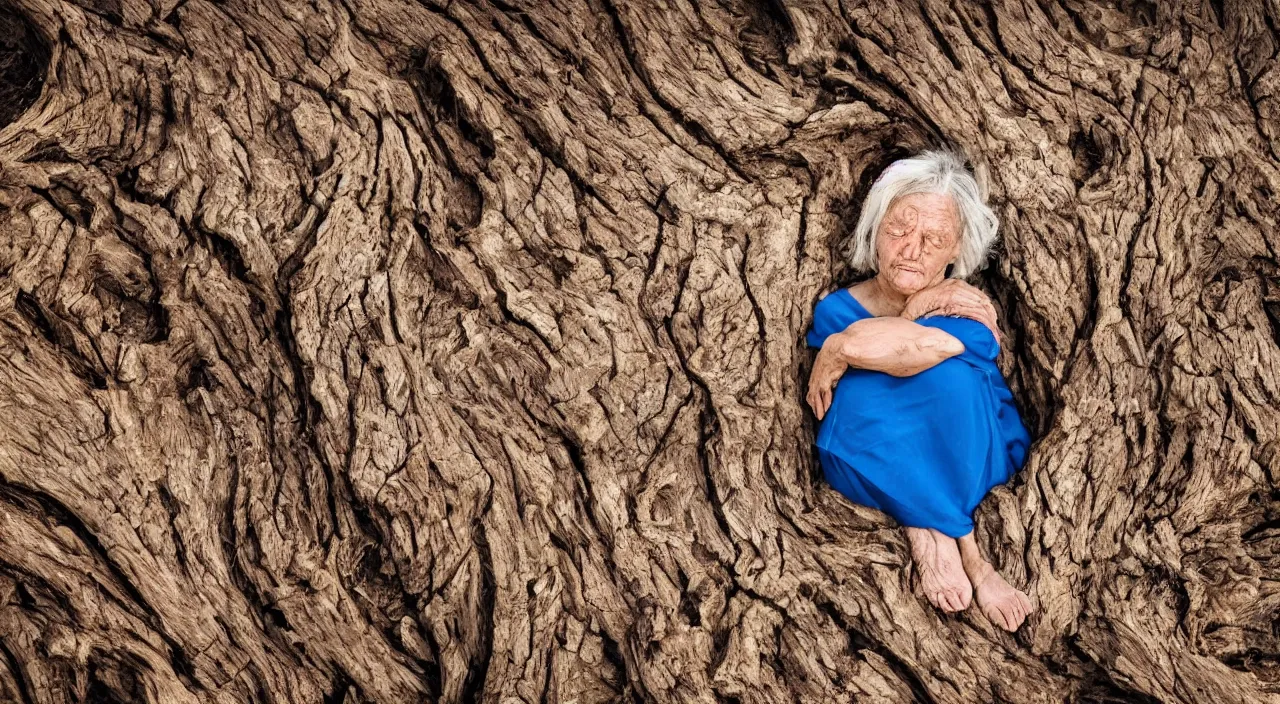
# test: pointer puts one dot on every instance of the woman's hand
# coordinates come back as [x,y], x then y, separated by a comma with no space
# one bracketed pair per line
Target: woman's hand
[827,370]
[953,297]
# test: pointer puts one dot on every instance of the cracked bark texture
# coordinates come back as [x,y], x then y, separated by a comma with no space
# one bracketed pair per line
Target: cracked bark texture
[418,350]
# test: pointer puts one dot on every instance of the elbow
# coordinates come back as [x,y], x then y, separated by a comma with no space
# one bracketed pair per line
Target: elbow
[944,344]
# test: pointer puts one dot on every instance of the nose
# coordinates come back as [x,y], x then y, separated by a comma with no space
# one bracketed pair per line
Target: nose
[912,245]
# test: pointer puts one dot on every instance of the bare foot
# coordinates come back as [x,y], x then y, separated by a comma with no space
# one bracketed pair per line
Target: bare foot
[1004,606]
[942,575]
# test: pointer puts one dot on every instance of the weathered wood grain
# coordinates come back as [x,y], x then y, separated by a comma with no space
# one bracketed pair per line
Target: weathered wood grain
[402,351]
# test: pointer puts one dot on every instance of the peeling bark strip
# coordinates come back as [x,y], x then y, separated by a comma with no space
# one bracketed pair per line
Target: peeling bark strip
[403,351]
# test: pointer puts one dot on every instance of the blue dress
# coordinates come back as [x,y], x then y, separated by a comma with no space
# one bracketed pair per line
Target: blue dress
[926,448]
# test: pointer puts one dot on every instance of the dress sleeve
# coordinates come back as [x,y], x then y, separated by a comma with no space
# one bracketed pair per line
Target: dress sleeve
[825,322]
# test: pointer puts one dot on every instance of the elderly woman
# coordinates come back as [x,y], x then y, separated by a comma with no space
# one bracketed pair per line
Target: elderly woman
[921,424]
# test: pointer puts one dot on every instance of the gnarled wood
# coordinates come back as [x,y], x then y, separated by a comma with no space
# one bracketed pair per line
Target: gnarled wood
[401,351]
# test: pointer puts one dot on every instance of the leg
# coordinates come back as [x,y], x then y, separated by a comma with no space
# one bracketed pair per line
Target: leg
[1004,606]
[941,570]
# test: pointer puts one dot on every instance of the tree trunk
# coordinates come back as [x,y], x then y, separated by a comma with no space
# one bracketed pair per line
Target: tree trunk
[403,351]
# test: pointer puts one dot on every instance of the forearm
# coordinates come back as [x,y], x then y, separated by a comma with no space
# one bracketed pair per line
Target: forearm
[893,345]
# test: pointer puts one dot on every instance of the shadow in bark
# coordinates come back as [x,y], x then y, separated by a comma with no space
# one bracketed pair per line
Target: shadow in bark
[24,57]
[766,34]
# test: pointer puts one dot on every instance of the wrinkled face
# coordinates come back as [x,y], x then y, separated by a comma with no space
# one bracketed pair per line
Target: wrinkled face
[918,238]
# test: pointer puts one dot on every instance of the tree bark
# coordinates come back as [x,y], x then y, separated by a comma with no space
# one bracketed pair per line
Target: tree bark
[418,350]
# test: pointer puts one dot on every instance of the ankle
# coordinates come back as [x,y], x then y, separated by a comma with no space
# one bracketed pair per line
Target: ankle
[918,538]
[977,569]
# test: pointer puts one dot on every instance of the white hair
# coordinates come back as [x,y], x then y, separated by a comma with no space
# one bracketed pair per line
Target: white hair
[934,171]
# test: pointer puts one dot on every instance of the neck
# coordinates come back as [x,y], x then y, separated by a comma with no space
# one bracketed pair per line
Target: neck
[891,301]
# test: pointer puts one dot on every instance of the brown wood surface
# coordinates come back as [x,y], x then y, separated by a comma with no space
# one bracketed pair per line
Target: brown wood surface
[416,350]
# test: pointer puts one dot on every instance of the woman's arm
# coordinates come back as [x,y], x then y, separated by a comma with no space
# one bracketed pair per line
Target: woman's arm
[895,345]
[892,345]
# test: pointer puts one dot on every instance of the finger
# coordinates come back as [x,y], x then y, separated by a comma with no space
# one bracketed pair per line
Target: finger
[964,300]
[984,316]
[978,310]
[979,313]
[992,322]
[966,289]
[964,310]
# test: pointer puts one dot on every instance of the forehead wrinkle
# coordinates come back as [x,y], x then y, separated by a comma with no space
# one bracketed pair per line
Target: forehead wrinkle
[927,214]
[930,222]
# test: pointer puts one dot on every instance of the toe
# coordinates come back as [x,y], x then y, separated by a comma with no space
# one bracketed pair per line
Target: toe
[1015,618]
[1006,618]
[994,616]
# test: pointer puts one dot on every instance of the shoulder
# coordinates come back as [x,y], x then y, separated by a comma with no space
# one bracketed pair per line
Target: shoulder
[830,303]
[825,300]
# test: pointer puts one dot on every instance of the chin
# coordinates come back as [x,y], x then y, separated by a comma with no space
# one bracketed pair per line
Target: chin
[908,283]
